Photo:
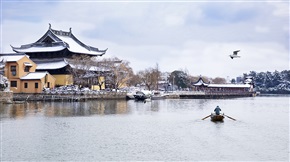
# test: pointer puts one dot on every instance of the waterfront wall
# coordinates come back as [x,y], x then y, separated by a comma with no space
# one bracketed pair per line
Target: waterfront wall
[6,97]
[215,95]
[209,95]
[68,96]
[74,97]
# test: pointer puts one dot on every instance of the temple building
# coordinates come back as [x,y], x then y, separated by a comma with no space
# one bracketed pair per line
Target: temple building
[52,51]
[202,86]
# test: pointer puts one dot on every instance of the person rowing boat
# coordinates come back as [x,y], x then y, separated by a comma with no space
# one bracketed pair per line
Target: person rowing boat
[217,110]
[217,115]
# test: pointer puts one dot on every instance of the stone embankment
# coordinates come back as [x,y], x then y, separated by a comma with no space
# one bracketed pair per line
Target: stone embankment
[6,97]
[68,97]
[9,97]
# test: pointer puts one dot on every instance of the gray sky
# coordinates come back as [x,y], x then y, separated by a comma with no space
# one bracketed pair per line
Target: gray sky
[196,36]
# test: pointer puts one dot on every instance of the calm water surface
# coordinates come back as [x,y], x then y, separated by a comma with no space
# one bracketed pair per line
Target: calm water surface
[168,130]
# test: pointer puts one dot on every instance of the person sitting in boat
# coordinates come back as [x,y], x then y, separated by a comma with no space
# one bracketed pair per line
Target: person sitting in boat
[217,110]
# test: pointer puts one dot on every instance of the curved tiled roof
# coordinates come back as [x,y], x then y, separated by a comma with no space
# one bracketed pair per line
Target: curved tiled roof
[58,40]
[200,82]
[44,64]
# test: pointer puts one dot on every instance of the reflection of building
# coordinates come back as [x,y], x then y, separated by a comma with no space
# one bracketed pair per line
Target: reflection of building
[20,71]
[200,85]
[51,51]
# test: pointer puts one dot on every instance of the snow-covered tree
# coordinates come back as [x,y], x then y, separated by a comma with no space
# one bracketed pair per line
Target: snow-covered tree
[272,82]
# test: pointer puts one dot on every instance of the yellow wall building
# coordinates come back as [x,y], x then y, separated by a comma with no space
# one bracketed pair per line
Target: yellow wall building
[20,71]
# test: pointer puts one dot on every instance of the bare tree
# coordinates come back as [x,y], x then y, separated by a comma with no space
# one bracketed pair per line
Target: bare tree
[219,80]
[149,77]
[79,65]
[119,71]
[134,81]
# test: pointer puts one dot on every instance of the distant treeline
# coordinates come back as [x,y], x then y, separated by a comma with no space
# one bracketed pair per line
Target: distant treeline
[271,82]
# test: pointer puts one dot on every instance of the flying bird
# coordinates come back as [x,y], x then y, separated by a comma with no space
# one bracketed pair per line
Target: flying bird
[235,54]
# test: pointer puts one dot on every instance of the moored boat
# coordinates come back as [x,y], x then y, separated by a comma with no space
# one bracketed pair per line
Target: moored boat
[142,96]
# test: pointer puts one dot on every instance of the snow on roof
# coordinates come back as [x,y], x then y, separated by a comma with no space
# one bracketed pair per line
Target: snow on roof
[40,49]
[55,40]
[34,76]
[200,82]
[27,64]
[76,47]
[229,85]
[43,65]
[10,58]
[91,68]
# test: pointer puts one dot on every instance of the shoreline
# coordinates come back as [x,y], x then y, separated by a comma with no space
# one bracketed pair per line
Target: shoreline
[123,96]
[74,97]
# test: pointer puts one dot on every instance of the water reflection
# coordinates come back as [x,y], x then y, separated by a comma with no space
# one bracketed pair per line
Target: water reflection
[163,130]
[63,109]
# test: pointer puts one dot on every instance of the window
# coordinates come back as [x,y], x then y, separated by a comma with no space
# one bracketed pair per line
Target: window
[25,85]
[48,85]
[13,83]
[26,69]
[36,85]
[13,70]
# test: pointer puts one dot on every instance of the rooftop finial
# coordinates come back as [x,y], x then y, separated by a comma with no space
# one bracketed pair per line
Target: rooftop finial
[49,25]
[70,30]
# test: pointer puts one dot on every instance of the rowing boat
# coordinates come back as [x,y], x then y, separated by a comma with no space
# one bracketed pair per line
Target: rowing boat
[215,117]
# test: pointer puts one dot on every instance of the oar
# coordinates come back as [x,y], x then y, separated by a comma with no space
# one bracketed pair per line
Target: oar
[230,117]
[205,117]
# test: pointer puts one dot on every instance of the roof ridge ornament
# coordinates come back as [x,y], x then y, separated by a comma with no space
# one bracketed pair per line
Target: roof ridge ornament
[70,30]
[49,26]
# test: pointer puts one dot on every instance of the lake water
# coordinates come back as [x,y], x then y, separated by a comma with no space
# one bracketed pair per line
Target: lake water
[167,130]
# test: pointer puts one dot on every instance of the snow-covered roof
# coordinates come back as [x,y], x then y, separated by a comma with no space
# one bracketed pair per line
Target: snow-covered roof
[11,58]
[229,85]
[27,64]
[50,64]
[200,82]
[34,76]
[74,46]
[90,68]
[57,40]
[39,49]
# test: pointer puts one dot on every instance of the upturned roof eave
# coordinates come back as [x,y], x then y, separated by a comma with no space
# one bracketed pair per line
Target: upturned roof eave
[91,54]
[200,82]
[52,33]
[21,51]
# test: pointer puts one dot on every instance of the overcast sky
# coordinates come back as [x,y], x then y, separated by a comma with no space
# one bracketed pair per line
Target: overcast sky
[196,36]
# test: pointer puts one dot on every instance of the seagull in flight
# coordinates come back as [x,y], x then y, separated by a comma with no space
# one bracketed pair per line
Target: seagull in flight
[235,54]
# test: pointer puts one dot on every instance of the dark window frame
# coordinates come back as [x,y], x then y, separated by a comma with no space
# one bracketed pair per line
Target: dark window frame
[13,83]
[27,68]
[13,70]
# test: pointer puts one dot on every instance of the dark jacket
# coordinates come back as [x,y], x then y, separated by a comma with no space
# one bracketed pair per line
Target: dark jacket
[217,110]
